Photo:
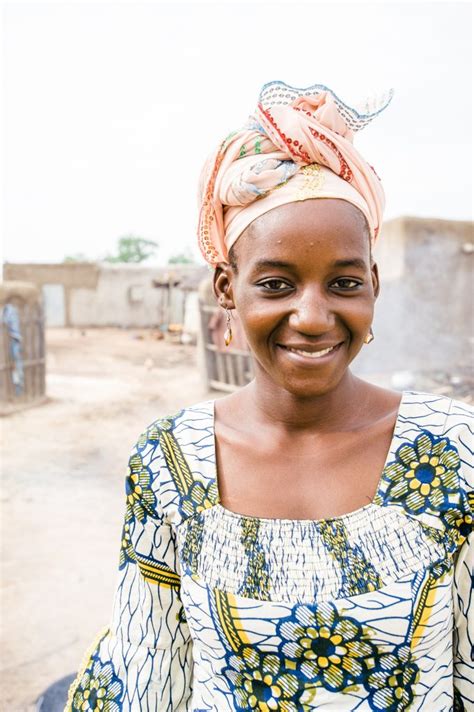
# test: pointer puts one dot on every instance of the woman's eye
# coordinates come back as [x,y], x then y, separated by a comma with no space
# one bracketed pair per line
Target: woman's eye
[274,285]
[346,283]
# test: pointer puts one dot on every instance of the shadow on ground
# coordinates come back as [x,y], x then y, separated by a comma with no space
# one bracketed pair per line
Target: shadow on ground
[55,697]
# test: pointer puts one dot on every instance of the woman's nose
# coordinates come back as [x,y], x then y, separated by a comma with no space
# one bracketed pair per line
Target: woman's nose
[312,315]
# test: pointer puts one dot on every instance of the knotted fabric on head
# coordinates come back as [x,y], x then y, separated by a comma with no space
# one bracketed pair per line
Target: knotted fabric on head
[297,145]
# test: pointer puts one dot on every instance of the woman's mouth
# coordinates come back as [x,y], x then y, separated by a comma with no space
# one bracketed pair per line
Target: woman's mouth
[311,354]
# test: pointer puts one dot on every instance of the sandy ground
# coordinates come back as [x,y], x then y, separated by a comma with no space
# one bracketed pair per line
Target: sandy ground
[63,495]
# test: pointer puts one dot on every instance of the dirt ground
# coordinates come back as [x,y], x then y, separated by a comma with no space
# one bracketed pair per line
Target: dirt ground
[63,495]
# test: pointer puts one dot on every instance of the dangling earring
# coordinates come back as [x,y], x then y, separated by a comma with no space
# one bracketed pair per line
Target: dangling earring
[370,337]
[228,331]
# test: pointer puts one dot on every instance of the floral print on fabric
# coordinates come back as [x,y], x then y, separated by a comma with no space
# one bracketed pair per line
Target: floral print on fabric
[424,474]
[459,522]
[464,524]
[199,498]
[328,648]
[391,684]
[141,503]
[319,648]
[99,689]
[260,682]
[127,553]
[141,500]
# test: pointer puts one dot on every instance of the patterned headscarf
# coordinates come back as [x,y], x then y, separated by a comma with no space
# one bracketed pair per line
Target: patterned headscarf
[299,141]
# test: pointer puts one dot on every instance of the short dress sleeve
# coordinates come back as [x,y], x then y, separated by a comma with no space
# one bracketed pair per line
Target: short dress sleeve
[143,661]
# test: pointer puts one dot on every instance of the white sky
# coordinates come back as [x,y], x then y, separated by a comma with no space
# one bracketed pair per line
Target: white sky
[109,109]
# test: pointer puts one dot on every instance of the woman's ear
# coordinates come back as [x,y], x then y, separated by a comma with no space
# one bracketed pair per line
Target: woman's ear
[375,279]
[222,285]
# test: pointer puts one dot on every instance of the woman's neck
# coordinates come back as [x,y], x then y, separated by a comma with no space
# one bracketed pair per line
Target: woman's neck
[339,409]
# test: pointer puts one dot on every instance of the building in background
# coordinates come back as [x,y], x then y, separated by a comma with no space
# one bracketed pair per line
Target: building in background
[423,320]
[85,294]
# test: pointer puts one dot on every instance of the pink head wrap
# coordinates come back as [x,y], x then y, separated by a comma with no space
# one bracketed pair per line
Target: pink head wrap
[297,145]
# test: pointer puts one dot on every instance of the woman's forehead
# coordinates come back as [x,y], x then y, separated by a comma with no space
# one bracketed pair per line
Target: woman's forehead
[329,226]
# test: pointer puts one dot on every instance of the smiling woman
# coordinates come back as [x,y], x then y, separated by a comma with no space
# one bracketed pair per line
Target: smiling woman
[305,318]
[304,543]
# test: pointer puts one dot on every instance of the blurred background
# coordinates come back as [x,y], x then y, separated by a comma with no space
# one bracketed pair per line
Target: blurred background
[108,322]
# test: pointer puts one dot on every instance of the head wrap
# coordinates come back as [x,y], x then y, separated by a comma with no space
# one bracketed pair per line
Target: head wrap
[297,145]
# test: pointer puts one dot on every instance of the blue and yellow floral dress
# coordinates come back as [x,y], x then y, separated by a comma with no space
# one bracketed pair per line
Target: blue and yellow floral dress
[216,611]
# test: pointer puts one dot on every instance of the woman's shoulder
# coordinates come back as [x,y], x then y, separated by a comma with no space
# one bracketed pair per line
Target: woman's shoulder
[430,471]
[437,426]
[423,410]
[442,407]
[437,417]
[195,417]
[175,458]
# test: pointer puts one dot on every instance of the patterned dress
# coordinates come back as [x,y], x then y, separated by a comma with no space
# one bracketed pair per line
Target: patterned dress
[216,611]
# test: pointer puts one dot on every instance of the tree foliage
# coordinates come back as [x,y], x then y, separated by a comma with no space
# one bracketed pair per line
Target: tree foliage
[131,248]
[181,258]
[78,257]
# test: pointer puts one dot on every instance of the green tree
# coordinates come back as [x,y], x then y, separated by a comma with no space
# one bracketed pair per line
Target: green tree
[78,257]
[182,258]
[131,248]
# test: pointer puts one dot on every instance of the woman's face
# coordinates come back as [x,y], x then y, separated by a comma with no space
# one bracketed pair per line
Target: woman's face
[304,288]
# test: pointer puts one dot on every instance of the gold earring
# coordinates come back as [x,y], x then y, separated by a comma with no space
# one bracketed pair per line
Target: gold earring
[370,337]
[228,331]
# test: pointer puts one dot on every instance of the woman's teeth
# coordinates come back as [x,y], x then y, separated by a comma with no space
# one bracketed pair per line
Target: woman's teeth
[312,354]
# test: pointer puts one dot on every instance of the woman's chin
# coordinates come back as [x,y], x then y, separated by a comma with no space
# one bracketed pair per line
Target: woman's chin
[306,385]
[304,377]
[313,389]
[306,382]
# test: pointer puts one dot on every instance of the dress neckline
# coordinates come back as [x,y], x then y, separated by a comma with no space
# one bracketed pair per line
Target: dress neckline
[355,513]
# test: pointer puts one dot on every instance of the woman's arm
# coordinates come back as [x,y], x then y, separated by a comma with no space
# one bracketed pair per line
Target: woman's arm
[143,662]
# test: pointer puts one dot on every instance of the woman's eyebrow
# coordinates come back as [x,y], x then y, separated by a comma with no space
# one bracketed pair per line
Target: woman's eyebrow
[265,264]
[356,262]
[351,262]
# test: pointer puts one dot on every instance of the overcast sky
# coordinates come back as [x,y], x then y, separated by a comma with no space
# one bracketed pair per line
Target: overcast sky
[109,109]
